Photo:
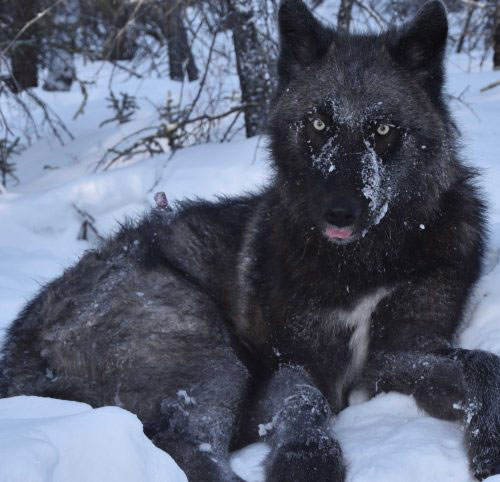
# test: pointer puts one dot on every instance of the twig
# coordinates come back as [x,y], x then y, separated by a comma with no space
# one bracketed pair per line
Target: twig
[205,74]
[230,128]
[88,225]
[47,112]
[372,13]
[256,150]
[85,98]
[460,99]
[490,86]
[151,144]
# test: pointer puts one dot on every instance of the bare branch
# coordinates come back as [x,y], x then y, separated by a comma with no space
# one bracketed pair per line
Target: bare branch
[381,22]
[491,86]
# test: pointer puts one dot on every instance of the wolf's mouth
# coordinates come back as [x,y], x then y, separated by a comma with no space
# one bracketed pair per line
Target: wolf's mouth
[334,233]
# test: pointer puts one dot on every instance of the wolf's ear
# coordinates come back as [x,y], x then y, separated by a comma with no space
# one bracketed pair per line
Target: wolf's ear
[303,39]
[420,44]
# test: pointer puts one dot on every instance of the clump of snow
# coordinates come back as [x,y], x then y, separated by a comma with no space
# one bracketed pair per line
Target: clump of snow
[372,172]
[323,161]
[389,439]
[382,212]
[182,394]
[265,428]
[205,447]
[43,439]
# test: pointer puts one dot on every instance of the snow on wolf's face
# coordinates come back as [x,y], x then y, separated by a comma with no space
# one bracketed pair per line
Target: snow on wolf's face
[359,128]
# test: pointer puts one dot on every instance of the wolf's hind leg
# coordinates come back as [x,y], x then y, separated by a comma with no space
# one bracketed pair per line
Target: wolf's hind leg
[298,419]
[195,421]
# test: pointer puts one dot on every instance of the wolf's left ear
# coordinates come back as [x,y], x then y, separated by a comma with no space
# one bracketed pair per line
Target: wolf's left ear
[303,39]
[420,44]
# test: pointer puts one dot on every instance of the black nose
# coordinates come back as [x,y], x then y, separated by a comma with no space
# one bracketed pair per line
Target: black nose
[342,212]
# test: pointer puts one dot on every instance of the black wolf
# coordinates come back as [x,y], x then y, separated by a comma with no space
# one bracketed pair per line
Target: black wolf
[351,270]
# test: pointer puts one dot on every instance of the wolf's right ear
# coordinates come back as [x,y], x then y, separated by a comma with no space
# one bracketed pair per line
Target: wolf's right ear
[419,46]
[303,39]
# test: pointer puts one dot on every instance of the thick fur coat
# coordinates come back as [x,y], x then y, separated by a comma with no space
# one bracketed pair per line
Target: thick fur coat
[258,316]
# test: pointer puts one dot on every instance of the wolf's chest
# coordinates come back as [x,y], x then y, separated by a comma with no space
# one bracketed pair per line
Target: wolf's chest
[352,327]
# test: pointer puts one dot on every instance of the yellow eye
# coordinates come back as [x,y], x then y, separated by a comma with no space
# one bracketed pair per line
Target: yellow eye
[383,129]
[318,124]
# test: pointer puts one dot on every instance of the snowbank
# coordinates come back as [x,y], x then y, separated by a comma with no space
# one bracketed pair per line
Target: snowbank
[43,440]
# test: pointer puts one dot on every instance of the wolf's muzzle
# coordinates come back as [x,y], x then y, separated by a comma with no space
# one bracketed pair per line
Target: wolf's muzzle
[342,212]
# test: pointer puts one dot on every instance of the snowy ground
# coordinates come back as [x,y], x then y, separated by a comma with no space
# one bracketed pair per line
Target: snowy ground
[386,439]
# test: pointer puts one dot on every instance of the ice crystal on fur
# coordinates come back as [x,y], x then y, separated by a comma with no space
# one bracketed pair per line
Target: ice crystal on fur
[372,173]
[183,395]
[324,160]
[265,428]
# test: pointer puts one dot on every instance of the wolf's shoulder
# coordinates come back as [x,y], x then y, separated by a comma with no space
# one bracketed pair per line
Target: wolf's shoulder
[459,232]
[465,206]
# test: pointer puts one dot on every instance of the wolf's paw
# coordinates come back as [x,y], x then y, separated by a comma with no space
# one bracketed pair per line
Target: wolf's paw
[440,392]
[484,460]
[482,428]
[312,461]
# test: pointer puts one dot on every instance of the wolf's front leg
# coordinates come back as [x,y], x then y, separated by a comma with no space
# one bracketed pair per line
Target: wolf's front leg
[453,384]
[481,410]
[298,420]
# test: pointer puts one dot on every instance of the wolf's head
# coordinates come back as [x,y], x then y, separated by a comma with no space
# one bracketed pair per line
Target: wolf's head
[360,129]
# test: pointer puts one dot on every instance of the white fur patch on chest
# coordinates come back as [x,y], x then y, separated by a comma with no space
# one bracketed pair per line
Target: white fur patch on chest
[357,319]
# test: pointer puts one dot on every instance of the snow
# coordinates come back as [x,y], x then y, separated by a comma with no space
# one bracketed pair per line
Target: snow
[372,173]
[43,439]
[324,160]
[385,439]
[390,439]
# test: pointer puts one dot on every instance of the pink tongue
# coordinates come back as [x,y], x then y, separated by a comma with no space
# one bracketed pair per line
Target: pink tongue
[338,233]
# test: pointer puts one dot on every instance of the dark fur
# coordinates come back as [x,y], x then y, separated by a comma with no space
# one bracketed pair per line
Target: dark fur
[242,312]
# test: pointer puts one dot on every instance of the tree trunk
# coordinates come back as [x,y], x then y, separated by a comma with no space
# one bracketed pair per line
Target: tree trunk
[61,66]
[180,57]
[344,15]
[121,43]
[465,30]
[24,55]
[252,66]
[496,38]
